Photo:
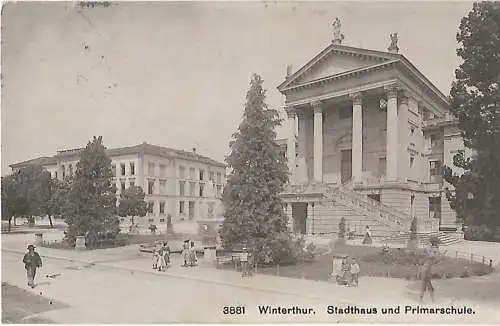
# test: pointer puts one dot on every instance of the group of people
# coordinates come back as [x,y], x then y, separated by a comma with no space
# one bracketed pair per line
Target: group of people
[189,254]
[161,257]
[348,273]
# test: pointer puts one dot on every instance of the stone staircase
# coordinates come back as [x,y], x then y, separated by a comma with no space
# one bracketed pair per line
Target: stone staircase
[401,240]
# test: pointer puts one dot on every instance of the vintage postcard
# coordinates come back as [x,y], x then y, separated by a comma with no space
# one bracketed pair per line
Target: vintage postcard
[250,162]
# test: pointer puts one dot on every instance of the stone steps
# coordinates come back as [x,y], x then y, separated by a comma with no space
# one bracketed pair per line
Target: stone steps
[445,239]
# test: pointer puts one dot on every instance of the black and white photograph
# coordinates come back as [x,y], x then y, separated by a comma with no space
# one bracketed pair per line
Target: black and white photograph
[250,162]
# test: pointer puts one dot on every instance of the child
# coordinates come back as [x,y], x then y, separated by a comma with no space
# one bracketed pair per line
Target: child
[355,272]
[156,256]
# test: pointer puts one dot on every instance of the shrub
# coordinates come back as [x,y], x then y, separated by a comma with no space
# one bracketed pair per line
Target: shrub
[413,229]
[478,233]
[285,249]
[153,228]
[342,228]
[434,240]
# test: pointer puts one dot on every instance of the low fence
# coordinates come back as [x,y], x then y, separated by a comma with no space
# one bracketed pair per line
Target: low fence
[472,257]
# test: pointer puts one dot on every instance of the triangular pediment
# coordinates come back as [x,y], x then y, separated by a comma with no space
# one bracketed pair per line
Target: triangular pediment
[335,60]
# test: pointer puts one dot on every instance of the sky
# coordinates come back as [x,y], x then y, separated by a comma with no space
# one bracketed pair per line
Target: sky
[175,74]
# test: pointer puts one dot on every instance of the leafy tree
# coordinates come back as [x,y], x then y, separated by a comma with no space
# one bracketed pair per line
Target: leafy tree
[12,203]
[33,184]
[91,200]
[57,204]
[475,97]
[254,211]
[132,202]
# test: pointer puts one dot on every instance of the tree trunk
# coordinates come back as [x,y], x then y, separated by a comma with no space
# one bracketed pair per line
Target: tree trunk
[14,221]
[50,221]
[10,219]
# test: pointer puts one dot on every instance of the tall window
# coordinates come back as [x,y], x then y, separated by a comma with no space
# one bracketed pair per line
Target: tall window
[219,190]
[151,186]
[163,170]
[202,187]
[163,187]
[381,166]
[132,168]
[219,178]
[113,169]
[151,206]
[435,207]
[182,185]
[181,207]
[162,207]
[122,184]
[434,168]
[151,168]
[132,182]
[122,168]
[412,160]
[191,189]
[182,172]
[435,141]
[70,170]
[191,173]
[211,176]
[202,174]
[63,171]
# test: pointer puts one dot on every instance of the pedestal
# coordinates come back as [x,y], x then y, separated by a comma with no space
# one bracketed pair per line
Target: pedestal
[38,239]
[80,243]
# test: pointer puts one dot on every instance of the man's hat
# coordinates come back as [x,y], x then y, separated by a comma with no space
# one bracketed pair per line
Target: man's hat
[31,247]
[187,240]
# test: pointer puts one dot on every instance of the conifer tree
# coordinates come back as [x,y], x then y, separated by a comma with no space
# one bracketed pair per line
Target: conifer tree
[92,199]
[254,215]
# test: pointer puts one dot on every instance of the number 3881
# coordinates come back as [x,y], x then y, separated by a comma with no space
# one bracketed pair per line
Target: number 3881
[233,310]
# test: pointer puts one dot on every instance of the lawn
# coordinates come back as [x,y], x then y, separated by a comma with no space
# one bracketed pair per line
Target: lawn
[398,264]
[125,240]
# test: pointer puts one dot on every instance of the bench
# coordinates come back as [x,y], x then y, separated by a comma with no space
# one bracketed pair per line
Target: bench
[234,258]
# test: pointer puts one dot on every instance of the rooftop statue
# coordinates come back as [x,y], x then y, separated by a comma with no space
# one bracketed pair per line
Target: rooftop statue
[338,37]
[393,48]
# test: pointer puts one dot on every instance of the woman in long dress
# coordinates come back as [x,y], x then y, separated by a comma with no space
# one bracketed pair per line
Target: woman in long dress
[193,260]
[161,260]
[185,253]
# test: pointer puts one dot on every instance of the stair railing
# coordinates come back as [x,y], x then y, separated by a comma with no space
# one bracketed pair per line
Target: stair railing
[373,210]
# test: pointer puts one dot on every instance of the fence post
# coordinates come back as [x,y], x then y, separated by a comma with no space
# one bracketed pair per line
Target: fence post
[491,263]
[278,270]
[456,254]
[483,260]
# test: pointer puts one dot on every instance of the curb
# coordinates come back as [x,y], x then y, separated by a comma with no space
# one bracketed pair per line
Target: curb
[197,279]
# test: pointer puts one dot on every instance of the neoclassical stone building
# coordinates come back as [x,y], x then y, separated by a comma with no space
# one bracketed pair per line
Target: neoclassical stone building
[369,135]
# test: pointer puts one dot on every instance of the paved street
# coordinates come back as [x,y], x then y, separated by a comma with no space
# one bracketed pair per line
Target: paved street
[117,286]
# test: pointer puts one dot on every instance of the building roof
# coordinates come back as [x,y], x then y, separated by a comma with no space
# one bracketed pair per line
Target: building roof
[380,60]
[143,148]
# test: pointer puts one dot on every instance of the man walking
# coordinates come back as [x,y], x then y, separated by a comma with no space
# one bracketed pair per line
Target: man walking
[244,262]
[426,280]
[355,272]
[31,261]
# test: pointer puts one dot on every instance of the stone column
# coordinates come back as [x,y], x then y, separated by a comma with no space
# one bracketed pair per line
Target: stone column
[392,134]
[310,219]
[290,148]
[403,137]
[318,142]
[288,212]
[357,138]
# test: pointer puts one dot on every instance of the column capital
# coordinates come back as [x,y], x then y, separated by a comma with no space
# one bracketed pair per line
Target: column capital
[317,106]
[357,98]
[391,91]
[404,99]
[291,111]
